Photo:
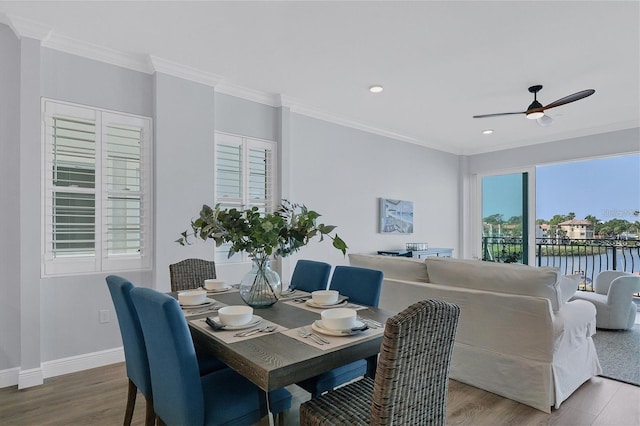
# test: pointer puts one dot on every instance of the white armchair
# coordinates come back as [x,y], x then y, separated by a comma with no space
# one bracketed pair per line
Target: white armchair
[612,297]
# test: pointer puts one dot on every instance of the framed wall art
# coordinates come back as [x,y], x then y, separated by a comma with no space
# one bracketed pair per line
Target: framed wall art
[396,216]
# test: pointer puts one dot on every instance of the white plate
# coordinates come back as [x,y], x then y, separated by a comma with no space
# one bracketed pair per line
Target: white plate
[222,290]
[317,326]
[207,302]
[335,305]
[254,320]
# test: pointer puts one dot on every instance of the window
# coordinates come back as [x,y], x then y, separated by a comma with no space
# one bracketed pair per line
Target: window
[245,177]
[97,190]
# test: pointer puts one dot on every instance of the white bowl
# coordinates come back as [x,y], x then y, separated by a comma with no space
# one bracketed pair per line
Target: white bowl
[339,318]
[192,297]
[325,297]
[235,315]
[215,284]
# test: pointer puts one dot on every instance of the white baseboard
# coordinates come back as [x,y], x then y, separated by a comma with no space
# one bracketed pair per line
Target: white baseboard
[82,362]
[9,377]
[29,378]
[58,367]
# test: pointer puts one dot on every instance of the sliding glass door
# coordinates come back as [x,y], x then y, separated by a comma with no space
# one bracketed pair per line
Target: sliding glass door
[504,209]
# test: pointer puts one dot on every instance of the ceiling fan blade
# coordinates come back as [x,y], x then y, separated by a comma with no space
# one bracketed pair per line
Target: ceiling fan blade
[571,98]
[498,114]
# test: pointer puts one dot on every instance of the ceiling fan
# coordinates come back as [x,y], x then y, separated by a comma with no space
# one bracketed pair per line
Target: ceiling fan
[535,111]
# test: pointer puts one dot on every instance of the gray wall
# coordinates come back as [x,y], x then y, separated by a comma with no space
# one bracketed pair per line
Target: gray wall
[76,79]
[342,172]
[9,199]
[246,118]
[184,123]
[70,321]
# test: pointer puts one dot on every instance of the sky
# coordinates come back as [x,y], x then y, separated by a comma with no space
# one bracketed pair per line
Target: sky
[607,188]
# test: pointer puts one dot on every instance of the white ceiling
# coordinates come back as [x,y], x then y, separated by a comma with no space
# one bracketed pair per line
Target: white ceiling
[440,62]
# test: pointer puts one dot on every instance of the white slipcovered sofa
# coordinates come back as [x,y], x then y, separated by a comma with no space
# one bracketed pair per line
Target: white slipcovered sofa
[518,336]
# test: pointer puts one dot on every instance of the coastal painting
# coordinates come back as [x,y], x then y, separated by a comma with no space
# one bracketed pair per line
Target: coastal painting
[396,216]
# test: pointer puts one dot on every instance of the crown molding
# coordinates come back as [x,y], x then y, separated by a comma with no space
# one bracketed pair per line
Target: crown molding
[185,72]
[27,28]
[299,108]
[232,89]
[99,53]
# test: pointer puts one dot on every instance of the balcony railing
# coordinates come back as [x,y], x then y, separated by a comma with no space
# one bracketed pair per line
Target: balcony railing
[586,257]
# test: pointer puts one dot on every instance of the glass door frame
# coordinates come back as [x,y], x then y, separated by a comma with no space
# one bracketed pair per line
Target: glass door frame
[476,210]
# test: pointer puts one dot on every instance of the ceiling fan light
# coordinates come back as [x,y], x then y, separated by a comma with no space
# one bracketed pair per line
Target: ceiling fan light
[545,121]
[535,115]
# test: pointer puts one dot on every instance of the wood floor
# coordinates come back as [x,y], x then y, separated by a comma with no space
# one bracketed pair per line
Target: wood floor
[98,397]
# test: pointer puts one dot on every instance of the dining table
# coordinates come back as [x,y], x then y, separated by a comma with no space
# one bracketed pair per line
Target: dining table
[281,356]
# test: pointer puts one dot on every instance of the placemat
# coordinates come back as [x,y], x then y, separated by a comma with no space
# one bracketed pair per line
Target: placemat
[295,294]
[300,303]
[228,336]
[334,341]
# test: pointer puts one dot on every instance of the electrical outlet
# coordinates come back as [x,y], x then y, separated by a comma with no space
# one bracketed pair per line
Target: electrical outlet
[104,316]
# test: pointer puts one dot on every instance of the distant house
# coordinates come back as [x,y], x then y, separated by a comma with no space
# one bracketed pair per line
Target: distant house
[576,229]
[542,230]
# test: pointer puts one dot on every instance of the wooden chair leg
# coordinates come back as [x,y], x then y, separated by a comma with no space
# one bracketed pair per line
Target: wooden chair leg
[131,403]
[150,416]
[281,418]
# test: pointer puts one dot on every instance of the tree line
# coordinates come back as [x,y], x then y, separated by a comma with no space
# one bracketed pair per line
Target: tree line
[613,228]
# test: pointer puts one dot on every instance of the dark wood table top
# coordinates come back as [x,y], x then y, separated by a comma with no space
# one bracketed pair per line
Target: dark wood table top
[274,360]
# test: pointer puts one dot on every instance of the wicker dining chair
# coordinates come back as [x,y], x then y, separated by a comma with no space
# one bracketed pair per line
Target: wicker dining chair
[412,375]
[191,273]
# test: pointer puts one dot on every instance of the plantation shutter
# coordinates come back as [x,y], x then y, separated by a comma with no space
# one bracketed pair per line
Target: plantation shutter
[70,186]
[125,178]
[97,189]
[244,178]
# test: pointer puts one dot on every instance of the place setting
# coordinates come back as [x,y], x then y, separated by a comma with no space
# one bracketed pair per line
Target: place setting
[195,302]
[217,285]
[235,323]
[323,299]
[336,327]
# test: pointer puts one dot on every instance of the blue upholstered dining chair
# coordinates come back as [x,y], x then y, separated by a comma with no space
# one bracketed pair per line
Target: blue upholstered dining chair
[310,275]
[180,395]
[362,286]
[135,352]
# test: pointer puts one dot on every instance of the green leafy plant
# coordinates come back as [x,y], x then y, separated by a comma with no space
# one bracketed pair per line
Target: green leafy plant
[280,233]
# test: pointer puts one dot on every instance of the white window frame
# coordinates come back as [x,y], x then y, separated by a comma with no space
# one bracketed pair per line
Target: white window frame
[100,260]
[269,203]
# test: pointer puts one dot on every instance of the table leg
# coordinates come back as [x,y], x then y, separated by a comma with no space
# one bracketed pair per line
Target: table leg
[372,364]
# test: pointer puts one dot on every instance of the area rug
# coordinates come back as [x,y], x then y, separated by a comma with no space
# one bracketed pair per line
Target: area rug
[619,353]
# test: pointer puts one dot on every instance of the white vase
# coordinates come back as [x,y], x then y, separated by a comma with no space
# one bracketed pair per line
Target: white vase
[261,287]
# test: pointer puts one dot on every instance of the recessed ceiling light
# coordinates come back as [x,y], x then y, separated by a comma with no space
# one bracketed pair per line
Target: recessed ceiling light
[376,89]
[487,132]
